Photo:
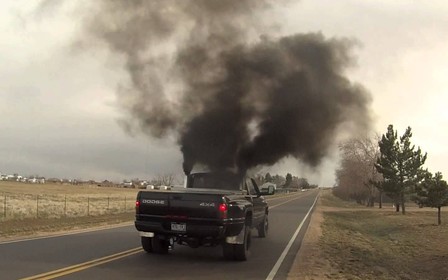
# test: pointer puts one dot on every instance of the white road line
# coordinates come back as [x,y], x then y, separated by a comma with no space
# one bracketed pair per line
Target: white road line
[68,233]
[291,241]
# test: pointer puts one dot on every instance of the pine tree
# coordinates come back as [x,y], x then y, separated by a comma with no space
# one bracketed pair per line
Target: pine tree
[268,178]
[288,180]
[386,164]
[432,192]
[400,164]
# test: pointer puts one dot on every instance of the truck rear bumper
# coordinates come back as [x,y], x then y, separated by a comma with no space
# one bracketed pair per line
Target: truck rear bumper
[193,230]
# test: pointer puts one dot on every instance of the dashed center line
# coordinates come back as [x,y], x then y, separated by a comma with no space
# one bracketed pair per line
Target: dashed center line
[82,266]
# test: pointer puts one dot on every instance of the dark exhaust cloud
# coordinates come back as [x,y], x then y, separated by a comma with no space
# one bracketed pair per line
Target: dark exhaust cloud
[200,70]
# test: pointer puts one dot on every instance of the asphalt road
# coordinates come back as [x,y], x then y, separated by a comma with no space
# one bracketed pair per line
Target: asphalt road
[116,254]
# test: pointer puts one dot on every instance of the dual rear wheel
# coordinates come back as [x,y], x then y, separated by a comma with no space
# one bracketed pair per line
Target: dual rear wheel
[241,252]
[263,227]
[155,245]
[238,252]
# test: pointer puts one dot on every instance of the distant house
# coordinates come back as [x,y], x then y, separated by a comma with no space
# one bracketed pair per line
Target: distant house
[127,184]
[137,183]
[106,183]
[11,178]
[54,180]
[65,181]
[266,186]
[36,180]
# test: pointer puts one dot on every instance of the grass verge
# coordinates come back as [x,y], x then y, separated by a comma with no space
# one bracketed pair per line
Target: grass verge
[382,244]
[32,227]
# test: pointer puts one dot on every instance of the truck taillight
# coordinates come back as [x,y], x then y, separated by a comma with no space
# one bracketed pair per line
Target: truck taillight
[222,207]
[137,206]
[223,210]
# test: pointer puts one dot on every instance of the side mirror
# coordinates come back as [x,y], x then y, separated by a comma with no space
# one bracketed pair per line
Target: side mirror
[268,191]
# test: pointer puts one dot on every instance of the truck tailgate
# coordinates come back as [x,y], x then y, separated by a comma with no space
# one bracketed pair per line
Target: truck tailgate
[180,205]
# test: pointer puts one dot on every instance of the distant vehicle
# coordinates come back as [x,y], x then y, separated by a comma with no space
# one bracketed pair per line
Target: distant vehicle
[215,209]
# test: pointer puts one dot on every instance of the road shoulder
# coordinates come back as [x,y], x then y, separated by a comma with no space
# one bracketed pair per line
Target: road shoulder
[309,262]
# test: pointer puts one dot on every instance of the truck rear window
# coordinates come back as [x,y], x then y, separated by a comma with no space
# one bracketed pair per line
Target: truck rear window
[222,181]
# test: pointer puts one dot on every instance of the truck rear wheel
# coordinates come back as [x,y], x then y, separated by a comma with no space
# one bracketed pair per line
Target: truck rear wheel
[239,252]
[263,227]
[147,244]
[159,245]
[227,251]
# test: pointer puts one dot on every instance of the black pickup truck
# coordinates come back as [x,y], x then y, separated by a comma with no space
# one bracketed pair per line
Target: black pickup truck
[212,209]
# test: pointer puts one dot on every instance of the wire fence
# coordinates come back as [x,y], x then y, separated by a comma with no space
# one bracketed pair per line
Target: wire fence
[20,206]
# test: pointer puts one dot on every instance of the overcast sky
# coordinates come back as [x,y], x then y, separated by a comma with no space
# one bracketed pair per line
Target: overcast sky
[59,115]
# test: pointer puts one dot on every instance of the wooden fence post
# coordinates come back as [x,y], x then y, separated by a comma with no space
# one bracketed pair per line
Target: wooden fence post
[37,206]
[4,207]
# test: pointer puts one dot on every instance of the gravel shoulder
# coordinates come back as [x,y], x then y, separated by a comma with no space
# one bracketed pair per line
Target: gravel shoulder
[309,262]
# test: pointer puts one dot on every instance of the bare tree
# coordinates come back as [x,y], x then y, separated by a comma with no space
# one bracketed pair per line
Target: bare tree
[357,175]
[165,179]
[278,180]
[349,182]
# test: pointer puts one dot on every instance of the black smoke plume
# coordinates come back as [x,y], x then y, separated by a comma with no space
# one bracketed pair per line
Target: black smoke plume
[201,70]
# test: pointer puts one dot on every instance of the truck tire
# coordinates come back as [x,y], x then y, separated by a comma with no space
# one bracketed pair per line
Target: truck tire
[147,244]
[241,251]
[227,251]
[159,245]
[263,227]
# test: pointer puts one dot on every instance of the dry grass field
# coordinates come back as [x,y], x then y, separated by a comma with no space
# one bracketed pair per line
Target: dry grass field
[31,208]
[354,242]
